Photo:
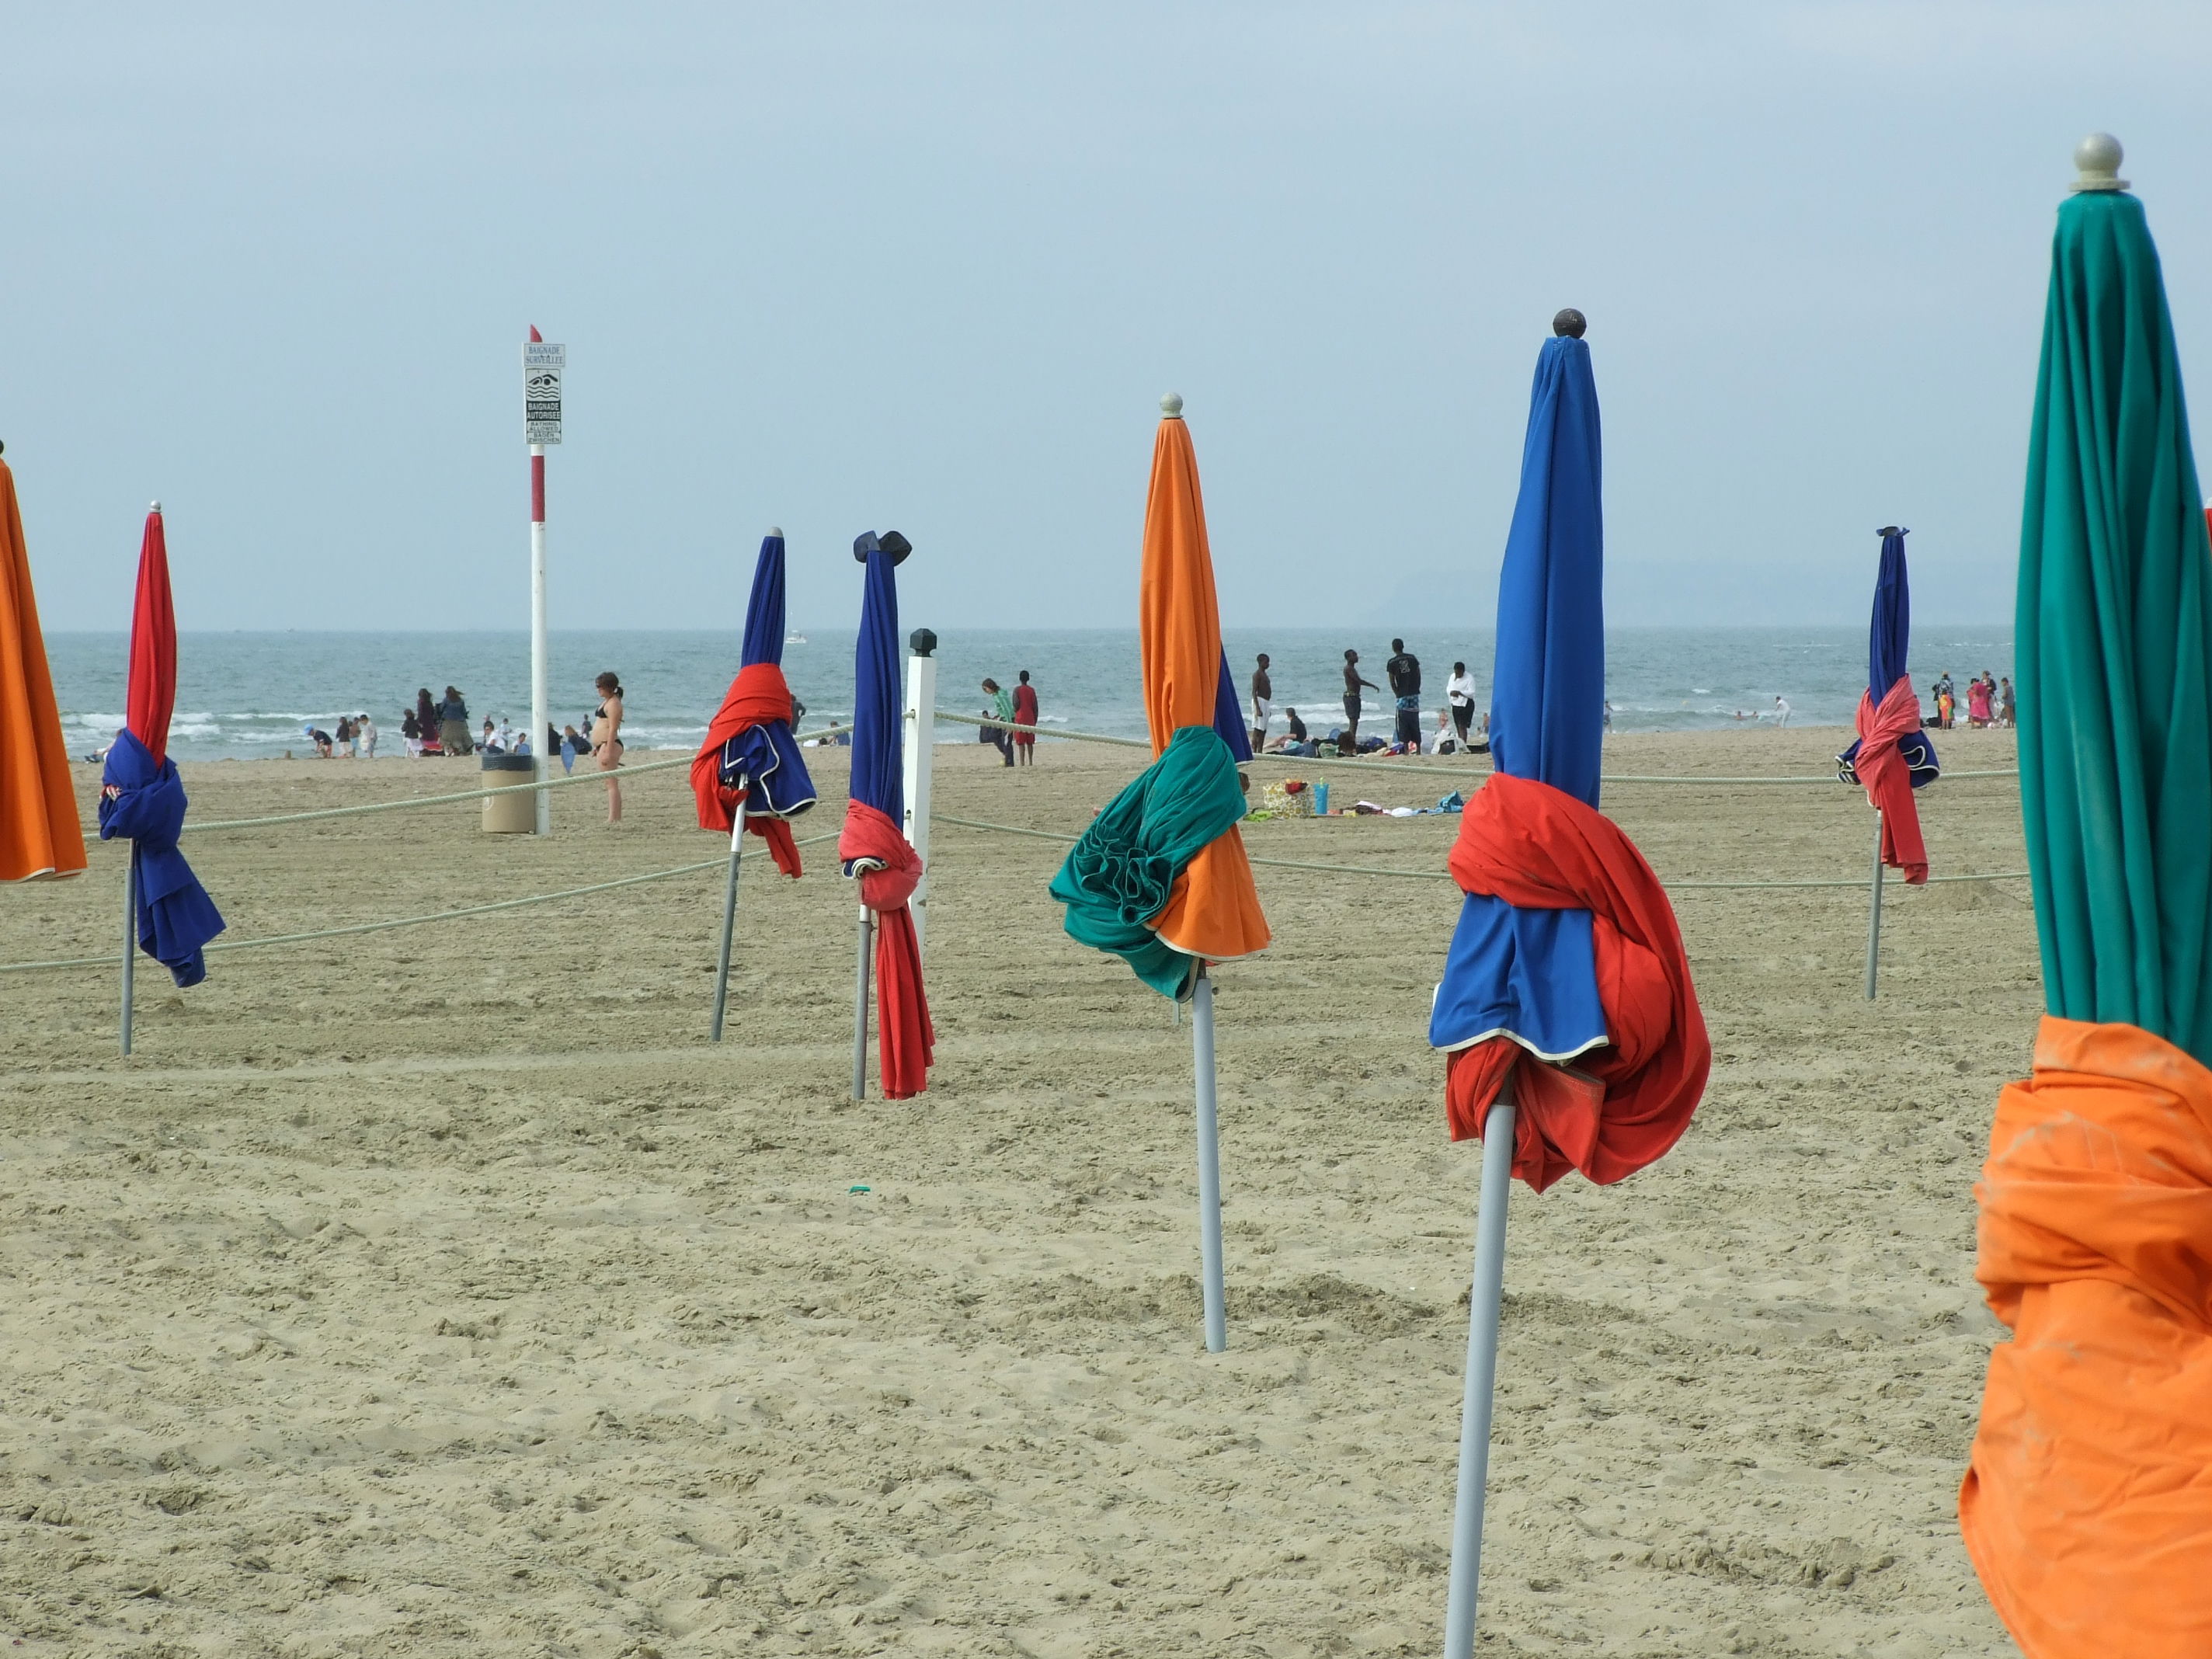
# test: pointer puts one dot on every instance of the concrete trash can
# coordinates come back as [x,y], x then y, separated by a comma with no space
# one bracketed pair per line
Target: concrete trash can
[509,815]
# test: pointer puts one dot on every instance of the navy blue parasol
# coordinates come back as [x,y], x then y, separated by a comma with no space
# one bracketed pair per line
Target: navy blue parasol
[1531,975]
[877,745]
[1889,637]
[763,751]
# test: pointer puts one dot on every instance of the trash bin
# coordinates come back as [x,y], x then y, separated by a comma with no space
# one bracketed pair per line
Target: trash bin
[509,815]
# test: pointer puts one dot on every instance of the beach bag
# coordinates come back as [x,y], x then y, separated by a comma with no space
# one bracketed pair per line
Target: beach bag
[1291,798]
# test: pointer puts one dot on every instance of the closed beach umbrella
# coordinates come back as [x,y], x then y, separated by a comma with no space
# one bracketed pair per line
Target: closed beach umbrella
[39,832]
[872,847]
[748,774]
[141,797]
[1161,878]
[1891,757]
[1567,1005]
[2087,1510]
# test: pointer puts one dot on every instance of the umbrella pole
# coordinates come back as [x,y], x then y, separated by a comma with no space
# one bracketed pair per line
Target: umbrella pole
[729,918]
[1874,912]
[1209,1162]
[860,1010]
[130,937]
[1475,1407]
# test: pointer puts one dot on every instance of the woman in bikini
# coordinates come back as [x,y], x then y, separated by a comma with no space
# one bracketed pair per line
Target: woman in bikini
[606,739]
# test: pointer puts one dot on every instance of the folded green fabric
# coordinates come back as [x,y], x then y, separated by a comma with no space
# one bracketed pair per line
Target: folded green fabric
[1119,876]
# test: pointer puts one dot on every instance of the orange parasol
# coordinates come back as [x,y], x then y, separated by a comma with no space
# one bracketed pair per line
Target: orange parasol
[39,830]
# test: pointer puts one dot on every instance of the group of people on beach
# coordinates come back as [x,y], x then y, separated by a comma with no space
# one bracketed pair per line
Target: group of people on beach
[355,739]
[1989,703]
[1010,723]
[1460,727]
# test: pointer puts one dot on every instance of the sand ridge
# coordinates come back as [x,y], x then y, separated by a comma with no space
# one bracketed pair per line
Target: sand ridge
[442,1292]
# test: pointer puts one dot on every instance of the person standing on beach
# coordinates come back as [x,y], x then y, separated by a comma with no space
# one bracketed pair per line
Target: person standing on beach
[606,738]
[1025,713]
[1351,684]
[2008,705]
[1403,670]
[1263,702]
[1781,710]
[1003,707]
[364,731]
[345,737]
[454,723]
[1458,696]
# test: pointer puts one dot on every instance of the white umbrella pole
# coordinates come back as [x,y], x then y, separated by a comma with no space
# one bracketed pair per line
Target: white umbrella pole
[1874,912]
[729,917]
[130,935]
[860,1009]
[1475,1412]
[1209,1162]
[919,760]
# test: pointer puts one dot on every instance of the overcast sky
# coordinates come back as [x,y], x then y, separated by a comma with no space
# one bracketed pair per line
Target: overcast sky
[929,266]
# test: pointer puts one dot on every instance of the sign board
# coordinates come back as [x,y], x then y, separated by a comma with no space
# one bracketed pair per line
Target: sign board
[543,365]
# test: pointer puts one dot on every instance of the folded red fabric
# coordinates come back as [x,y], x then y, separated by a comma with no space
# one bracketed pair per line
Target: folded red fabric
[907,1040]
[1622,1106]
[759,694]
[1888,780]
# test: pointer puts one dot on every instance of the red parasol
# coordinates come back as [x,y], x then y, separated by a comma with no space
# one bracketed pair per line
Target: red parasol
[153,691]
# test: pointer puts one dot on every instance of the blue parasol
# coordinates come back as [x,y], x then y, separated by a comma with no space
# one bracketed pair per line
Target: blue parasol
[877,777]
[1889,638]
[764,756]
[1529,974]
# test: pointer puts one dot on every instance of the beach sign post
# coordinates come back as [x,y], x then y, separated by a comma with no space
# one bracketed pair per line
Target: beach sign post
[542,367]
[1161,878]
[872,847]
[748,776]
[1891,757]
[1566,1003]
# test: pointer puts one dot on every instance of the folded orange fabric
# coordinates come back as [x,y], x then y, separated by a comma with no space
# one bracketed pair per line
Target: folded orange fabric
[2088,1507]
[39,832]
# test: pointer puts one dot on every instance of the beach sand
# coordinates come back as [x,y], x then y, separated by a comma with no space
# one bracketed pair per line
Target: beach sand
[442,1292]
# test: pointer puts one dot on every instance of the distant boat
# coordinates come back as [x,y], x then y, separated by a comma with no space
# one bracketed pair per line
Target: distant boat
[794,637]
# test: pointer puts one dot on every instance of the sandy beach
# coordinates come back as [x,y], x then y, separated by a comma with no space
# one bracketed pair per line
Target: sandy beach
[441,1291]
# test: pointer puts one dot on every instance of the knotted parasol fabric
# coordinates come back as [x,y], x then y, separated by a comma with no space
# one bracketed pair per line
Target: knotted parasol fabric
[1566,946]
[872,849]
[38,831]
[2088,1508]
[141,795]
[1891,757]
[748,754]
[1173,828]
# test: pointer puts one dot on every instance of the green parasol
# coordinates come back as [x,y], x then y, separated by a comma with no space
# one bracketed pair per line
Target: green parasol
[2115,637]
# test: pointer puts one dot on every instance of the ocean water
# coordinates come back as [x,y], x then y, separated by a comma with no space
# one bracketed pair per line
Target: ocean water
[248,695]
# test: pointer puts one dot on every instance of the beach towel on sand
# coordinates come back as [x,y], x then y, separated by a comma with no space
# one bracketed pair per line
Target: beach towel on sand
[888,869]
[145,801]
[748,755]
[2088,1507]
[1119,878]
[1625,1102]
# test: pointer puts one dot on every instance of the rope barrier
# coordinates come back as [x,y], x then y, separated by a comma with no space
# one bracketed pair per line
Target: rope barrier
[615,776]
[108,960]
[1403,766]
[1857,882]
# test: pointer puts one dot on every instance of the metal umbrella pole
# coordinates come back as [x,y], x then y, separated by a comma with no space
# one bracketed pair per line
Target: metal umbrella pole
[1874,912]
[729,918]
[129,937]
[1209,1162]
[1476,1405]
[860,1007]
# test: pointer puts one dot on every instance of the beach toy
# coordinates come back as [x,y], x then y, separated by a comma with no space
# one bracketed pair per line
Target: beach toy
[859,1189]
[748,776]
[1321,799]
[39,832]
[167,912]
[1160,878]
[2087,1510]
[872,849]
[1559,903]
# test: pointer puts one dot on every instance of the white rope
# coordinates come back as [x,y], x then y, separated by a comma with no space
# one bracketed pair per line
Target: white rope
[108,960]
[1859,881]
[1402,766]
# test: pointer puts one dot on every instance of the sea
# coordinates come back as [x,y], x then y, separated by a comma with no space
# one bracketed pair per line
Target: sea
[254,696]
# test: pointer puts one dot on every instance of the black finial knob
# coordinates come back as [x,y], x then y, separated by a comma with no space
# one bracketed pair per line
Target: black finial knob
[1571,323]
[897,545]
[923,641]
[863,544]
[1887,531]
